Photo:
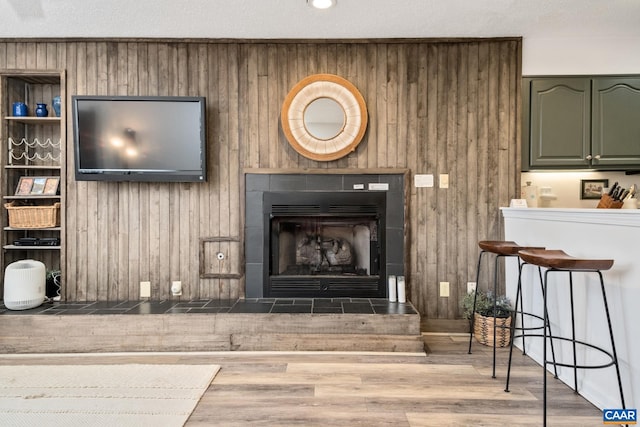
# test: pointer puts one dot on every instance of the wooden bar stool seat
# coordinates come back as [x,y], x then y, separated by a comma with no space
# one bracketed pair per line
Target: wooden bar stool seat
[503,247]
[500,248]
[557,261]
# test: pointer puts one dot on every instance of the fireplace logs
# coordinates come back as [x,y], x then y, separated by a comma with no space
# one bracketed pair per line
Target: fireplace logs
[319,251]
[338,252]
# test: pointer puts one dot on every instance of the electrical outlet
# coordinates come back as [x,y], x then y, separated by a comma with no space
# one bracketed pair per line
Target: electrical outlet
[444,289]
[145,289]
[176,288]
[471,287]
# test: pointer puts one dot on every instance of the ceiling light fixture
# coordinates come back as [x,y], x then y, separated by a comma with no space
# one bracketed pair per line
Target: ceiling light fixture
[321,4]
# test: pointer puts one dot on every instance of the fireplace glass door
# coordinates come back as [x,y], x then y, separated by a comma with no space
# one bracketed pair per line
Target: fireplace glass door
[338,253]
[325,246]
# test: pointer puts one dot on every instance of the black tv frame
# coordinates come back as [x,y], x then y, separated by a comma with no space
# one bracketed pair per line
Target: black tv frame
[150,175]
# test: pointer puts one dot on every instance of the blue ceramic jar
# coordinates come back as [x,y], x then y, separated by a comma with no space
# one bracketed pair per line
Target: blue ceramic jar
[41,110]
[20,109]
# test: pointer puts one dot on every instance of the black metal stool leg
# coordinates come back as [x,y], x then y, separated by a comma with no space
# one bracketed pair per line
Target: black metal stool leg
[519,292]
[548,325]
[573,335]
[613,345]
[544,352]
[475,296]
[513,324]
[495,300]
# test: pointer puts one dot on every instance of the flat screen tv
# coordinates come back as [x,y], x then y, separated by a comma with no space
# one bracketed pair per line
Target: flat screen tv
[139,138]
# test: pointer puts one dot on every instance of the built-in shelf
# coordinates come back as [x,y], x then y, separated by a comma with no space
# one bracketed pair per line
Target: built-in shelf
[31,248]
[32,147]
[31,197]
[34,167]
[31,229]
[34,120]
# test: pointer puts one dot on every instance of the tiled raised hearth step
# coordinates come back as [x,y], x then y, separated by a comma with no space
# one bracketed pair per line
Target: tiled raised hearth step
[340,324]
[261,305]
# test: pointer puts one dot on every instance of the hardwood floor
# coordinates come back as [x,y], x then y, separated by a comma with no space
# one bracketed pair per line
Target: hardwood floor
[445,387]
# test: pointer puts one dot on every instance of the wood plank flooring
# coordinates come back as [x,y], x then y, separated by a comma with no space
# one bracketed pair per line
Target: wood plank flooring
[445,387]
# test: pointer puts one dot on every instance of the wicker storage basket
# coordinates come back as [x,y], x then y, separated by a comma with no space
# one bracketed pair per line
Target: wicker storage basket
[33,216]
[483,330]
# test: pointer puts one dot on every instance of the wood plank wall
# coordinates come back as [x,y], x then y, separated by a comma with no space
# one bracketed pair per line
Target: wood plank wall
[450,106]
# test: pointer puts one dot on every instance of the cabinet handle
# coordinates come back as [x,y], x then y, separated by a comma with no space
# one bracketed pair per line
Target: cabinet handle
[589,157]
[597,156]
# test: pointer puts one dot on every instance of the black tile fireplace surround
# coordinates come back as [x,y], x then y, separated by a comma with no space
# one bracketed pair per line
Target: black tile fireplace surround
[313,235]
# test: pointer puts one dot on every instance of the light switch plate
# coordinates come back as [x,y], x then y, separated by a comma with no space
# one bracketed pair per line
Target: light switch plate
[444,180]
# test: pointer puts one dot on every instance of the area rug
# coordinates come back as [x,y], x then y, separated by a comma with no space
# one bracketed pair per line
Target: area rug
[101,395]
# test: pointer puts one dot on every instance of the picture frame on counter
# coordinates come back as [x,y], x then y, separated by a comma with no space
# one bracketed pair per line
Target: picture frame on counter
[591,189]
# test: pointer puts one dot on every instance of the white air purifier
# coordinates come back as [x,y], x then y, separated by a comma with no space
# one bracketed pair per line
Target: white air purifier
[24,284]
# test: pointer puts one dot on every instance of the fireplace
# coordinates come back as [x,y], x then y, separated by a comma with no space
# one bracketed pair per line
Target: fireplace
[324,244]
[323,235]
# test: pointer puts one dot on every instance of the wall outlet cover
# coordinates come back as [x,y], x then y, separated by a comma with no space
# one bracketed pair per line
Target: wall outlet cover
[471,287]
[176,288]
[444,289]
[145,289]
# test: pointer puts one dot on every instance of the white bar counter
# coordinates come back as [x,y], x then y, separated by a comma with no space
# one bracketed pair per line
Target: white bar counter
[585,233]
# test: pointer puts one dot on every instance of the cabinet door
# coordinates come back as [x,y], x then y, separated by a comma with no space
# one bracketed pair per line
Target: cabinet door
[616,122]
[559,126]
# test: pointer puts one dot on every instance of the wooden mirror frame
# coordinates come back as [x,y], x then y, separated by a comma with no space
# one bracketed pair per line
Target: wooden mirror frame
[324,86]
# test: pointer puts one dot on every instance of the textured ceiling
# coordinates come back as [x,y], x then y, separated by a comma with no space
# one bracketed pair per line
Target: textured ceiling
[282,19]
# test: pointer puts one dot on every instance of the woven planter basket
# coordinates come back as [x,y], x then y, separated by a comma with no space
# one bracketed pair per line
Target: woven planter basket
[483,330]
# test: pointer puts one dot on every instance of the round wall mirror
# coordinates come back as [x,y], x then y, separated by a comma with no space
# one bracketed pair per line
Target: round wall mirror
[324,117]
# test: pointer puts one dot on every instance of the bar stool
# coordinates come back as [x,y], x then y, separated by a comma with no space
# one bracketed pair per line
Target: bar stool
[558,261]
[501,249]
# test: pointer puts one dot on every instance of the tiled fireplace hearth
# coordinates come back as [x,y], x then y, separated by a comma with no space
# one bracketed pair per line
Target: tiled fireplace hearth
[323,235]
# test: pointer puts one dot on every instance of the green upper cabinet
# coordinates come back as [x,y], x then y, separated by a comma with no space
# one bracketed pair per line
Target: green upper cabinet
[560,124]
[581,122]
[615,136]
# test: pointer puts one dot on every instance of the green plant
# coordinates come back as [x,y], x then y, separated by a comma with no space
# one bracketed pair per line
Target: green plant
[53,274]
[484,305]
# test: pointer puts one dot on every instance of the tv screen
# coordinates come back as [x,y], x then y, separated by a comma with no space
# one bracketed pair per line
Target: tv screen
[137,138]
